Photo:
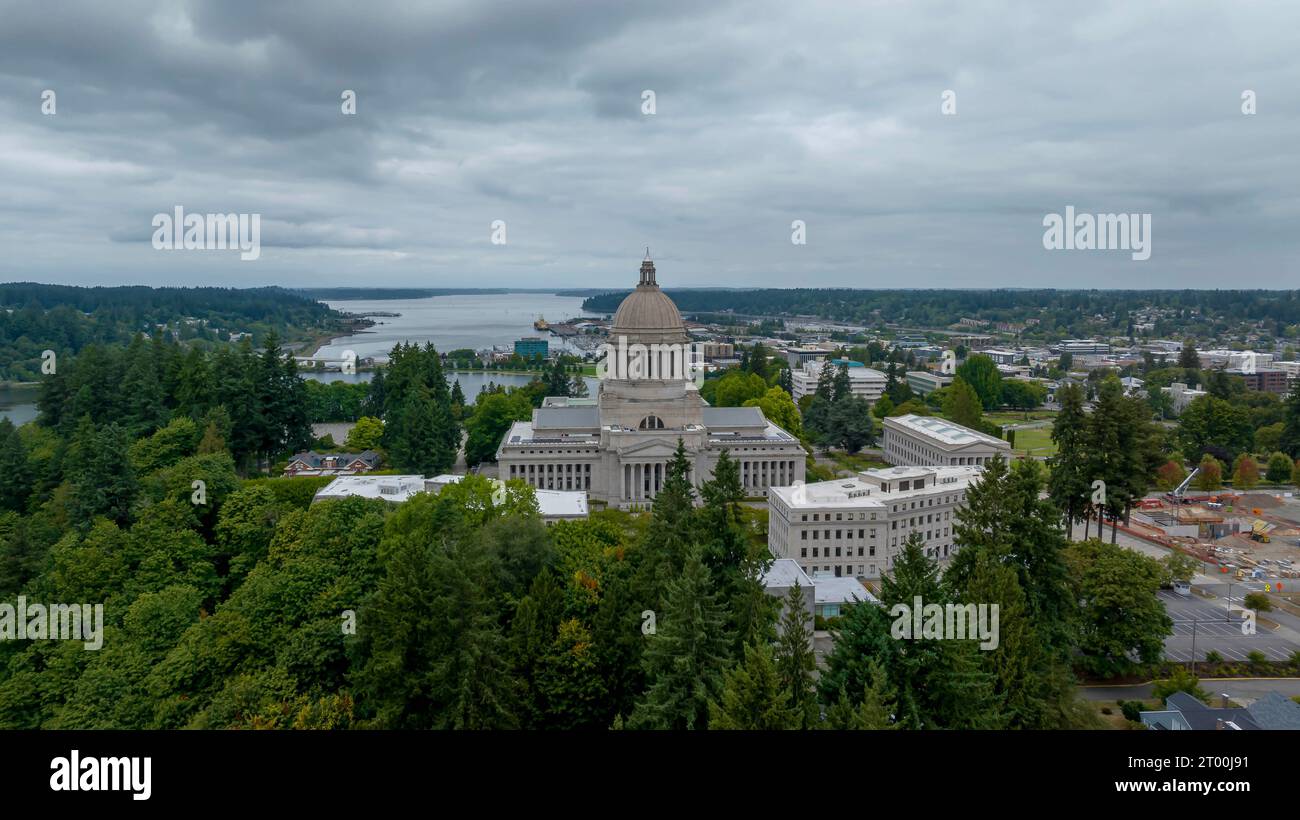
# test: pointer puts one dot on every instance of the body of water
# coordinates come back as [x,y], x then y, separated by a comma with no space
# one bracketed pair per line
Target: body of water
[19,406]
[470,382]
[452,322]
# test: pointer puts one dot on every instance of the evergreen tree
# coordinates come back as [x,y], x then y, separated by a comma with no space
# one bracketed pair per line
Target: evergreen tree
[433,656]
[795,661]
[1069,485]
[685,657]
[99,470]
[752,695]
[826,382]
[841,387]
[735,563]
[142,391]
[874,711]
[851,425]
[15,479]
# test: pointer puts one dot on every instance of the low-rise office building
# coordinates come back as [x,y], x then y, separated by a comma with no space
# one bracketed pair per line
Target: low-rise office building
[864,381]
[929,440]
[825,595]
[923,382]
[553,505]
[532,346]
[1180,395]
[1266,380]
[855,527]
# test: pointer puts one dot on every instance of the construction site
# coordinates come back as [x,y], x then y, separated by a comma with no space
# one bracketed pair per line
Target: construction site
[1250,535]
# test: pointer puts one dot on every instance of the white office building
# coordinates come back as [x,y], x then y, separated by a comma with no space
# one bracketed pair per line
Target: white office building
[929,440]
[1180,395]
[864,381]
[925,382]
[552,505]
[855,527]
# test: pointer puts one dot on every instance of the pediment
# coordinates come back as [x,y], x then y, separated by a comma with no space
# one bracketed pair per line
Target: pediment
[653,449]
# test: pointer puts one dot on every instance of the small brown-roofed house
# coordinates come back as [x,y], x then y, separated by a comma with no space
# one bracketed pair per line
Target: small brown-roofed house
[313,463]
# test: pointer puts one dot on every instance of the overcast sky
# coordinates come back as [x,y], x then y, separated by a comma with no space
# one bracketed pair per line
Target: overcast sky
[765,112]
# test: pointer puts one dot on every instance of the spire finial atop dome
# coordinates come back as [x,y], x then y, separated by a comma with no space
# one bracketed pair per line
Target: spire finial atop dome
[647,272]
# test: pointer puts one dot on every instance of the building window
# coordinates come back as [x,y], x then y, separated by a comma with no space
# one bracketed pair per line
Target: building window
[652,423]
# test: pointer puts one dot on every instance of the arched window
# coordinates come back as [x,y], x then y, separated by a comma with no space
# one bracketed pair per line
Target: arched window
[652,423]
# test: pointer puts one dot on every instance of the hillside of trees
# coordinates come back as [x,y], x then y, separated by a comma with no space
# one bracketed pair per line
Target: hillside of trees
[66,319]
[1061,313]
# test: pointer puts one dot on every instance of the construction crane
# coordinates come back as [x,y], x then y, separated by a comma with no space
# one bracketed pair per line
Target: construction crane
[1176,496]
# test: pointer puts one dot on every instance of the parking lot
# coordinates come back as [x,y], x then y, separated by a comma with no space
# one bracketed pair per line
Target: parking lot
[1215,631]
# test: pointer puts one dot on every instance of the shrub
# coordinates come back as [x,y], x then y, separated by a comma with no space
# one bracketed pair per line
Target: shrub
[1213,657]
[1279,468]
[1258,601]
[1180,681]
[1257,658]
[1132,710]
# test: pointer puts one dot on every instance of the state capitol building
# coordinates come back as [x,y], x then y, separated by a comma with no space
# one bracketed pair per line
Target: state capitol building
[617,445]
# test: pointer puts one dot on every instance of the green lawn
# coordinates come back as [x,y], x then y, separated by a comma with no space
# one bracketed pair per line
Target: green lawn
[1036,441]
[1018,416]
[855,463]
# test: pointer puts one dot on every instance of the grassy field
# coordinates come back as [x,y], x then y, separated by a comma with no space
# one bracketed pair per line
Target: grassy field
[1018,417]
[855,463]
[1036,441]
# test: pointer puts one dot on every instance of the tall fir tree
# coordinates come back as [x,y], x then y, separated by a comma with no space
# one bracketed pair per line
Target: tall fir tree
[752,696]
[795,661]
[686,656]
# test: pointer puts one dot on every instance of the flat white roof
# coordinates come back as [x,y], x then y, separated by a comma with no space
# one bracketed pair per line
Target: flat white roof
[550,503]
[562,503]
[863,491]
[387,487]
[947,432]
[839,590]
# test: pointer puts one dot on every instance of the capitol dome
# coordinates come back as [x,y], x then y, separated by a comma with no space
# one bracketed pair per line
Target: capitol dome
[647,315]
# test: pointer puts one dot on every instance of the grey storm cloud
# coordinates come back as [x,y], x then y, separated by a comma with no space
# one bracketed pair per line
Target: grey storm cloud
[766,113]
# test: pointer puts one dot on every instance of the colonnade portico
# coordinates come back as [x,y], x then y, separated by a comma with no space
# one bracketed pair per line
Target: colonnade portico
[643,480]
[761,473]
